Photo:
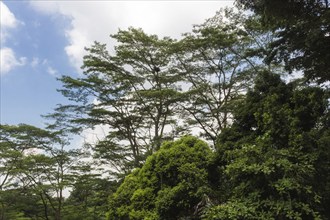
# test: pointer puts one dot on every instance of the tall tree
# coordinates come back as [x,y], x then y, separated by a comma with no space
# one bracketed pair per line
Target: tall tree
[133,93]
[48,175]
[34,162]
[15,142]
[218,61]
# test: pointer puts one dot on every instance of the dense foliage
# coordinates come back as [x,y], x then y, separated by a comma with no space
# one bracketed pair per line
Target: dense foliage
[171,184]
[270,157]
[302,29]
[262,141]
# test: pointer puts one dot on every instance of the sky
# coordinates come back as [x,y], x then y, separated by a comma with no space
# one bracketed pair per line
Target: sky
[43,40]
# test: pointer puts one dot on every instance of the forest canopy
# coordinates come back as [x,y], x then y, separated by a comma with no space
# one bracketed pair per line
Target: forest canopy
[218,124]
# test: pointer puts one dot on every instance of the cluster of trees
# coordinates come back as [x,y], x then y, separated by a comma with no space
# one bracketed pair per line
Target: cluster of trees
[36,171]
[271,163]
[261,149]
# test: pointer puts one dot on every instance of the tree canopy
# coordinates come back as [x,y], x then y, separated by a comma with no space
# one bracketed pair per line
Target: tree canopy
[270,156]
[303,32]
[172,184]
[208,126]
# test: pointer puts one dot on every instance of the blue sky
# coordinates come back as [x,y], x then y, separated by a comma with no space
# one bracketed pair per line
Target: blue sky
[42,40]
[28,89]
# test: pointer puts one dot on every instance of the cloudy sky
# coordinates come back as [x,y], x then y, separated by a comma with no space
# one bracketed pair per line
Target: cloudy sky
[42,40]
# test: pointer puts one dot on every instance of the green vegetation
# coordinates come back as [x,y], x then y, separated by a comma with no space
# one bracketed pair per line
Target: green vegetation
[262,148]
[270,154]
[170,185]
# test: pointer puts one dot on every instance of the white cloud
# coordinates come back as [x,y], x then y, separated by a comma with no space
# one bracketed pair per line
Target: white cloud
[35,62]
[9,60]
[8,21]
[46,7]
[96,20]
[45,64]
[75,50]
[52,71]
